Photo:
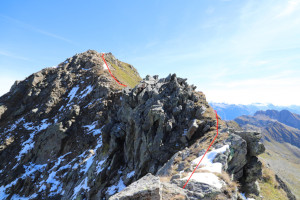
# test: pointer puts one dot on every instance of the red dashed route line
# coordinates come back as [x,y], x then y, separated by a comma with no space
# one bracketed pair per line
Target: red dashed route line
[205,151]
[111,73]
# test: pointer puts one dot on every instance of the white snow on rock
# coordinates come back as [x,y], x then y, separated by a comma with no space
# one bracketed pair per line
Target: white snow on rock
[116,188]
[56,185]
[26,146]
[86,91]
[245,198]
[88,161]
[83,185]
[3,188]
[207,162]
[130,174]
[104,66]
[99,166]
[29,171]
[12,127]
[72,93]
[91,129]
[44,125]
[207,178]
[29,143]
[17,197]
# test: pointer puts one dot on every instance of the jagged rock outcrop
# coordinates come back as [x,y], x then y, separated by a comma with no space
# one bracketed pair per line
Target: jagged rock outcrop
[282,142]
[72,132]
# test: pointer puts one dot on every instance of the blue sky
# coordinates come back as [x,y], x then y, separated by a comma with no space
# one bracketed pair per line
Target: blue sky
[233,51]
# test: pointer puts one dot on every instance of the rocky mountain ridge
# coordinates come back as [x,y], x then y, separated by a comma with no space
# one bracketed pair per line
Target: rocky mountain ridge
[283,116]
[282,143]
[232,111]
[72,132]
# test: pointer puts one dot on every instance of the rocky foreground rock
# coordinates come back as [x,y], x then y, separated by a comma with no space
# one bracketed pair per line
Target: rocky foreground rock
[72,132]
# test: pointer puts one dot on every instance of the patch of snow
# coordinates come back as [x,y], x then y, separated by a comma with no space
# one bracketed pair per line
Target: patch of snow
[26,146]
[29,170]
[130,174]
[88,162]
[184,132]
[79,158]
[61,108]
[72,93]
[99,143]
[3,189]
[83,185]
[14,126]
[91,128]
[17,197]
[99,166]
[116,188]
[44,125]
[245,198]
[43,187]
[29,143]
[56,185]
[90,103]
[207,178]
[86,91]
[28,126]
[207,162]
[104,66]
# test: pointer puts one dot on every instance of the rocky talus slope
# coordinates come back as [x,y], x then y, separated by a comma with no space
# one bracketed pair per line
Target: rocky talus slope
[72,132]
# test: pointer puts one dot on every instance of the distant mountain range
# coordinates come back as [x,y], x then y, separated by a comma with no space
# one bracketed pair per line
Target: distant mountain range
[231,111]
[281,137]
[280,126]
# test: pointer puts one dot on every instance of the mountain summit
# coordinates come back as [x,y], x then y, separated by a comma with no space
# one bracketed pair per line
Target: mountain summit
[72,132]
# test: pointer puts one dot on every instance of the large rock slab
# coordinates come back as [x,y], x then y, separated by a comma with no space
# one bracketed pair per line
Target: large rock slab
[150,187]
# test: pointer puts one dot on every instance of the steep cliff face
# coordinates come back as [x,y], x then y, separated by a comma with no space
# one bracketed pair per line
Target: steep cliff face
[72,132]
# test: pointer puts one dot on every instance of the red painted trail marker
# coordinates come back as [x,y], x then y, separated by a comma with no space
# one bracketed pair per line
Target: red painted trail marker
[205,151]
[111,73]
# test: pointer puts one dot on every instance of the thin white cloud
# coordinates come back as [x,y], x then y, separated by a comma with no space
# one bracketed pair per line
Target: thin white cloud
[290,8]
[35,29]
[11,55]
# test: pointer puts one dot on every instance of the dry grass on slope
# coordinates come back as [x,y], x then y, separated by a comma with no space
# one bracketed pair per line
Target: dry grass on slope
[269,187]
